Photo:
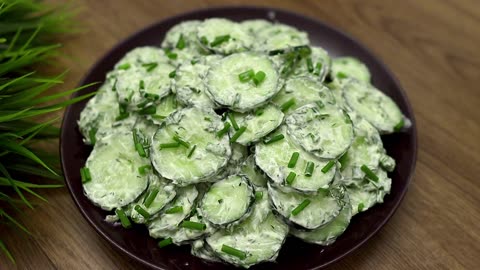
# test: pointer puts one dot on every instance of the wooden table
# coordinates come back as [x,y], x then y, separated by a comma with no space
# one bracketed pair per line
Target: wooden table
[433,48]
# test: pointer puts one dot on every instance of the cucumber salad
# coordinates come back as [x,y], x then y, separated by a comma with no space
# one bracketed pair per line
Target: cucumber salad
[230,136]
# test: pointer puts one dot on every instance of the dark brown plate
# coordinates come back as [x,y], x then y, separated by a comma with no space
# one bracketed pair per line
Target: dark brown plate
[295,254]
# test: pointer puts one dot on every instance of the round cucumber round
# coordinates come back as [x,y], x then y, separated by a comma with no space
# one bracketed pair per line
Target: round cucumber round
[343,67]
[181,235]
[254,26]
[201,250]
[280,36]
[317,65]
[139,56]
[224,36]
[163,109]
[253,173]
[182,35]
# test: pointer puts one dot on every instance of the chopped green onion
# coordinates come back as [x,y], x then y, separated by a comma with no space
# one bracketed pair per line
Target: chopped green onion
[174,210]
[169,145]
[142,84]
[343,161]
[232,120]
[193,225]
[309,169]
[172,74]
[150,66]
[293,160]
[328,166]
[246,75]
[258,195]
[234,252]
[204,40]
[341,75]
[123,218]
[291,176]
[285,106]
[142,211]
[148,110]
[361,206]
[399,126]
[180,43]
[171,55]
[320,104]
[207,119]
[300,207]
[138,145]
[237,134]
[318,68]
[194,61]
[85,175]
[151,197]
[180,141]
[122,116]
[158,117]
[309,65]
[124,66]
[259,78]
[369,173]
[165,242]
[191,151]
[273,139]
[259,112]
[143,169]
[151,96]
[219,40]
[224,130]
[91,135]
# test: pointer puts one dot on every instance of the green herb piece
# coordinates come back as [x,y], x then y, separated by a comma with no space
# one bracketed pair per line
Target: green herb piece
[259,78]
[231,117]
[309,169]
[259,112]
[361,206]
[204,40]
[289,103]
[150,66]
[181,141]
[293,160]
[124,66]
[309,65]
[171,55]
[148,110]
[399,126]
[165,242]
[138,145]
[191,151]
[300,207]
[194,61]
[92,135]
[318,68]
[219,40]
[143,169]
[258,195]
[234,252]
[180,43]
[151,197]
[328,166]
[158,117]
[343,161]
[142,211]
[172,74]
[291,176]
[169,145]
[341,75]
[237,134]
[369,173]
[224,130]
[208,119]
[273,139]
[174,210]
[320,104]
[246,75]
[193,225]
[123,218]
[85,175]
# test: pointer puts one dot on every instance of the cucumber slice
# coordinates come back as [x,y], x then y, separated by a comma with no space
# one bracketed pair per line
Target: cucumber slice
[115,179]
[254,26]
[226,88]
[365,196]
[100,112]
[303,90]
[258,123]
[227,201]
[182,235]
[139,56]
[317,65]
[195,127]
[186,30]
[279,37]
[373,105]
[274,158]
[260,236]
[164,108]
[236,38]
[202,250]
[239,153]
[160,226]
[324,130]
[336,88]
[144,130]
[253,173]
[165,194]
[123,125]
[323,207]
[350,67]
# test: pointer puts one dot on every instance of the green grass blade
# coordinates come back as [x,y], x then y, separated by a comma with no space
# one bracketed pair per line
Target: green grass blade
[14,147]
[32,170]
[6,252]
[5,172]
[12,220]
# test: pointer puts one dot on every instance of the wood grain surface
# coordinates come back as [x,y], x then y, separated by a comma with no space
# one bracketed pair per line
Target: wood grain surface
[432,46]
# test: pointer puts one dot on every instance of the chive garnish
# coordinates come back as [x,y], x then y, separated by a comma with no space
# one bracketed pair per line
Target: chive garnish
[122,116]
[258,195]
[231,117]
[293,160]
[165,242]
[204,40]
[399,126]
[259,78]
[291,176]
[234,252]
[123,218]
[169,145]
[138,145]
[171,55]
[158,117]
[341,75]
[206,118]
[180,141]
[124,66]
[143,169]
[309,65]
[193,225]
[300,207]
[320,104]
[150,66]
[151,96]
[369,173]
[285,106]
[259,112]
[273,139]
[360,207]
[180,43]
[91,135]
[148,110]
[224,130]
[194,61]
[237,134]
[246,75]
[85,175]
[172,74]
[191,151]
[328,166]
[151,197]
[174,210]
[219,40]
[309,169]
[142,211]
[318,68]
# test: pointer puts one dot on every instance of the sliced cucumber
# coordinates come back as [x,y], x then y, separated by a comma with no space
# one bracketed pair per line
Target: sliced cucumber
[144,130]
[254,26]
[201,250]
[274,158]
[115,179]
[195,128]
[224,36]
[164,108]
[373,105]
[280,36]
[324,130]
[226,88]
[139,56]
[336,88]
[239,153]
[350,67]
[183,235]
[317,65]
[164,222]
[302,90]
[227,201]
[260,237]
[322,209]
[254,174]
[259,123]
[186,31]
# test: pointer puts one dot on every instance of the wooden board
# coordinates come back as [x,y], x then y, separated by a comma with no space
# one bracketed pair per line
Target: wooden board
[431,46]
